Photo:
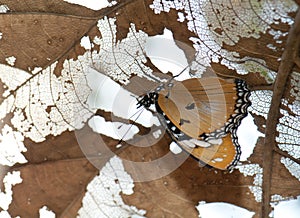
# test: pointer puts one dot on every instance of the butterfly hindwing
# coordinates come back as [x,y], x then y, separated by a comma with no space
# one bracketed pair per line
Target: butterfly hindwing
[220,153]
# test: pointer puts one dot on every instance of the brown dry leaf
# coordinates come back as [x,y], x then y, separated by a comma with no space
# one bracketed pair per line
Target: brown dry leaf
[48,104]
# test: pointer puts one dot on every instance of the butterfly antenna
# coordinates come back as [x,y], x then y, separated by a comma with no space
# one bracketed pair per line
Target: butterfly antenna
[131,116]
[181,72]
[134,121]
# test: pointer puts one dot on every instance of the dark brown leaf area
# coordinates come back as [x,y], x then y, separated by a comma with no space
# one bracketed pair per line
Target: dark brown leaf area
[52,6]
[177,194]
[56,175]
[37,40]
[58,184]
[40,32]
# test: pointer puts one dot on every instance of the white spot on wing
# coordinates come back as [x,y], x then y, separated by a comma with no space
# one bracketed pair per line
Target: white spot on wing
[200,143]
[174,148]
[218,159]
[215,141]
[188,143]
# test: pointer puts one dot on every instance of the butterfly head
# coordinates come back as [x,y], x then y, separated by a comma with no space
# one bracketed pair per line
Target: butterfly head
[147,100]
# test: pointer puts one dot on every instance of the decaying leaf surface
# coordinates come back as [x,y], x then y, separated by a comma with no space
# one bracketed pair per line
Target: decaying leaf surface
[36,40]
[184,187]
[46,89]
[53,6]
[56,184]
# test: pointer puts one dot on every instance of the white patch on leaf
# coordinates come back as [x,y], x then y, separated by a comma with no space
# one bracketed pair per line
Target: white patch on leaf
[9,180]
[36,70]
[292,167]
[222,210]
[5,214]
[166,55]
[103,196]
[4,9]
[12,77]
[11,60]
[288,127]
[181,17]
[11,147]
[204,18]
[256,171]
[44,104]
[260,102]
[276,197]
[247,134]
[288,208]
[121,58]
[92,4]
[115,130]
[46,213]
[109,96]
[86,43]
[272,47]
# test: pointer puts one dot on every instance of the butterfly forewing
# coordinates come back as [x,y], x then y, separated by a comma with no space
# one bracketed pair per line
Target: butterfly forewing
[199,106]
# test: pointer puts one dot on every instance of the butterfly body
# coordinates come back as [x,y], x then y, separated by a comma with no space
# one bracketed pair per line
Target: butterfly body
[202,116]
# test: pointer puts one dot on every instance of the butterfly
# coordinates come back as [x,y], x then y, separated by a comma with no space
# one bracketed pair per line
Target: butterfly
[202,116]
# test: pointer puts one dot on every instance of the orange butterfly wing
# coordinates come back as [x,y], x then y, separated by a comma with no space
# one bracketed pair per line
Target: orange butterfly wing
[197,106]
[222,156]
[210,106]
